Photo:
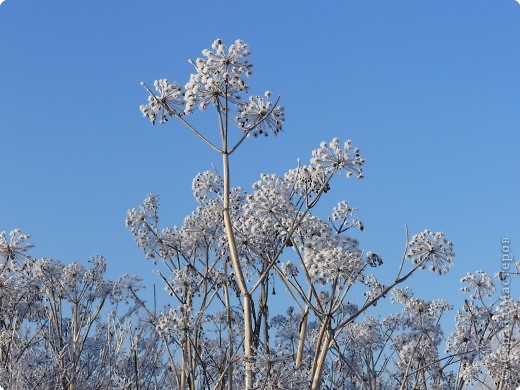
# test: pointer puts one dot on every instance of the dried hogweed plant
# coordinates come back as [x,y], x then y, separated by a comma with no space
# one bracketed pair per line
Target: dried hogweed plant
[222,263]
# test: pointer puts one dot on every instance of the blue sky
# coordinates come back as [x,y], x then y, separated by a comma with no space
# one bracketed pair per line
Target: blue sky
[429,90]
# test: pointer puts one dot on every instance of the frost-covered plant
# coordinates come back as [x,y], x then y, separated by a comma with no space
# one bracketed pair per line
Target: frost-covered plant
[432,250]
[238,257]
[486,340]
[68,327]
[14,249]
[417,345]
[231,252]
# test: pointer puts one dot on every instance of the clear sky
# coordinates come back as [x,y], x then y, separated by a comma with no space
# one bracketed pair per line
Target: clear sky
[430,90]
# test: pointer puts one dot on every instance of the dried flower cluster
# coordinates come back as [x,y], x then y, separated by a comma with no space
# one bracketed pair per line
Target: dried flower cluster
[230,266]
[219,80]
[233,255]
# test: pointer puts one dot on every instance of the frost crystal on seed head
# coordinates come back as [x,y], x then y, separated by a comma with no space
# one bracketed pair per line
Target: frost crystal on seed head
[334,157]
[431,249]
[16,247]
[168,102]
[207,185]
[261,116]
[342,211]
[234,61]
[219,75]
[479,284]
